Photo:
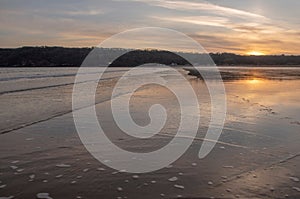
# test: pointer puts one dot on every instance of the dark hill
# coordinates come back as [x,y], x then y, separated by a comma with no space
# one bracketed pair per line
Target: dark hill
[60,56]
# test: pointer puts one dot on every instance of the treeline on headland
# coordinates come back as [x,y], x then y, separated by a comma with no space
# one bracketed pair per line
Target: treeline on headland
[60,56]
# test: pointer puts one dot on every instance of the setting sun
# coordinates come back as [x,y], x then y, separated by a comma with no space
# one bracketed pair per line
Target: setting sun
[256,53]
[253,81]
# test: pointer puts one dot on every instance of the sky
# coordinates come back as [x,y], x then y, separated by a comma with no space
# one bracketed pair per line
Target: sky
[237,26]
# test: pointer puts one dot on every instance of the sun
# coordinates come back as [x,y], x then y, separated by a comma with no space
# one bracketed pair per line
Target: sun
[255,53]
[254,81]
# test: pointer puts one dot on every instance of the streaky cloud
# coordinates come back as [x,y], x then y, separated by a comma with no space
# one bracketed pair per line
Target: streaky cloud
[202,6]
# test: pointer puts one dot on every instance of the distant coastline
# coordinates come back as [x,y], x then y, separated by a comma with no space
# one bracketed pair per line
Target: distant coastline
[73,57]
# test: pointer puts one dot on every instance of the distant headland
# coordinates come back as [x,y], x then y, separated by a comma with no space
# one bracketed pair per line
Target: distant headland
[73,57]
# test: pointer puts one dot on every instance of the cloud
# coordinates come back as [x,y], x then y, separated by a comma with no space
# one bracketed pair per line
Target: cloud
[226,27]
[280,43]
[202,6]
[90,12]
[198,20]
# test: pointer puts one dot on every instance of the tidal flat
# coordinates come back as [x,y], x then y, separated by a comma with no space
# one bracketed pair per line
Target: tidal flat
[257,155]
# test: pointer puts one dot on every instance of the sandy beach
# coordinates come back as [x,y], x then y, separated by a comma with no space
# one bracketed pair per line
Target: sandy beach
[257,155]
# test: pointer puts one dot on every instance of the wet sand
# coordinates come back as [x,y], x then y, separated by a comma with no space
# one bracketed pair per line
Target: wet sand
[257,155]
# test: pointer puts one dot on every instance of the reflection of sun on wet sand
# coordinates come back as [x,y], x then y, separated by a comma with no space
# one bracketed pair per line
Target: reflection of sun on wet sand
[253,74]
[257,155]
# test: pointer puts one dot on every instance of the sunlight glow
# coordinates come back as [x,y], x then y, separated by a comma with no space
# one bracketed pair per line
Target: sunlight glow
[253,81]
[256,53]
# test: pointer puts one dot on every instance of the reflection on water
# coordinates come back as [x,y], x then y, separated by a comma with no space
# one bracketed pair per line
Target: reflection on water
[250,73]
[263,106]
[272,96]
[272,89]
[263,109]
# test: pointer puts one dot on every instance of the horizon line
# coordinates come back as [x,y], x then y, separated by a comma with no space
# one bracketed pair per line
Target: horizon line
[78,47]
